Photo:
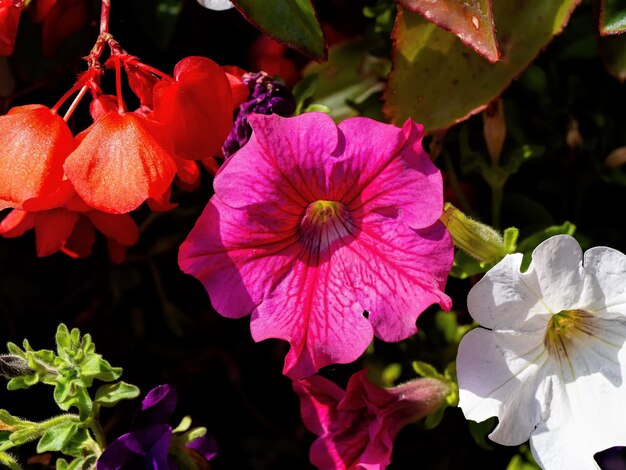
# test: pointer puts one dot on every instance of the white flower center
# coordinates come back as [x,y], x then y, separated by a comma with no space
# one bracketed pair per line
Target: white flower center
[563,326]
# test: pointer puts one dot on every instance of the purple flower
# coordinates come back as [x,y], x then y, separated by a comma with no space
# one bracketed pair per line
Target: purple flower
[147,446]
[267,96]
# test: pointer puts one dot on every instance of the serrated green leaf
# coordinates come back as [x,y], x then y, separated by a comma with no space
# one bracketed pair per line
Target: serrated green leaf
[110,394]
[55,439]
[22,382]
[63,340]
[293,23]
[94,367]
[438,82]
[612,17]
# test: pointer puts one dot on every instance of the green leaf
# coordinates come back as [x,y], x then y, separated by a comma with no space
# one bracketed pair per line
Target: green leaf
[438,82]
[55,439]
[613,53]
[9,461]
[349,77]
[62,340]
[110,394]
[426,370]
[292,22]
[612,17]
[471,21]
[304,91]
[479,431]
[94,367]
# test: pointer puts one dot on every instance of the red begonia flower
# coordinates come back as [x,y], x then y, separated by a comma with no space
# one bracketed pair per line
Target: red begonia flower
[34,143]
[60,19]
[9,22]
[357,427]
[61,229]
[197,107]
[121,161]
[327,235]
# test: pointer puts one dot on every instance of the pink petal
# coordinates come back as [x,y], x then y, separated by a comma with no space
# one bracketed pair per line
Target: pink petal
[283,160]
[314,308]
[397,272]
[383,168]
[318,402]
[237,259]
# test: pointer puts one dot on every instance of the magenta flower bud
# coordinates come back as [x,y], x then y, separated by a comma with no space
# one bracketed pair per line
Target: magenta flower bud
[357,427]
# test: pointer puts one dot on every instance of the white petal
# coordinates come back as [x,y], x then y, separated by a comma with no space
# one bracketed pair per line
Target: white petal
[557,263]
[218,5]
[499,374]
[605,280]
[506,299]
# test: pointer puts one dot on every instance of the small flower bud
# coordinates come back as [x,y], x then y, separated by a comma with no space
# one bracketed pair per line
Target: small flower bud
[573,139]
[13,366]
[616,158]
[475,238]
[494,129]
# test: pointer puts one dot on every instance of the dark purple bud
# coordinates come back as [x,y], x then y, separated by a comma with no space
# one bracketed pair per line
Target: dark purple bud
[267,96]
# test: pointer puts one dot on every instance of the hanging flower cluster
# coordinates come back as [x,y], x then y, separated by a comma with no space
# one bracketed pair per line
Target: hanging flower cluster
[65,185]
[327,234]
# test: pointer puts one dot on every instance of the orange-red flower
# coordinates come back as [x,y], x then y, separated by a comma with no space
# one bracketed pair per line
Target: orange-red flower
[122,160]
[9,22]
[34,143]
[197,107]
[73,233]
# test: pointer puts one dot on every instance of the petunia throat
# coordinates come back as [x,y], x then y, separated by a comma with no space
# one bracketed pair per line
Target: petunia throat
[323,223]
[563,326]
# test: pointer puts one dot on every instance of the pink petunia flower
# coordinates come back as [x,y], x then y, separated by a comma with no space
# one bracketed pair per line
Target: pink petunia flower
[327,234]
[357,427]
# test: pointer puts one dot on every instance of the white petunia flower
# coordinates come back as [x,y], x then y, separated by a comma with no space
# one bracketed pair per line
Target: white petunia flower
[218,5]
[550,360]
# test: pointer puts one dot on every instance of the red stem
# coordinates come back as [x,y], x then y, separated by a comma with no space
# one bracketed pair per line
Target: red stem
[104,16]
[118,85]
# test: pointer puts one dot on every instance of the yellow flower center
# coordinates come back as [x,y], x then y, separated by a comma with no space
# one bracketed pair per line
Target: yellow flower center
[563,326]
[320,212]
[323,223]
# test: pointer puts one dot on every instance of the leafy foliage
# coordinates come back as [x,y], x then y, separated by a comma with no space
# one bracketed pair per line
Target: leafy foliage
[71,370]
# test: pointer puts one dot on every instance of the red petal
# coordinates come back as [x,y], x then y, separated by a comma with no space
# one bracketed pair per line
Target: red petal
[117,252]
[64,19]
[102,105]
[120,163]
[141,82]
[188,176]
[238,88]
[16,223]
[9,22]
[52,229]
[34,142]
[197,108]
[120,227]
[80,242]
